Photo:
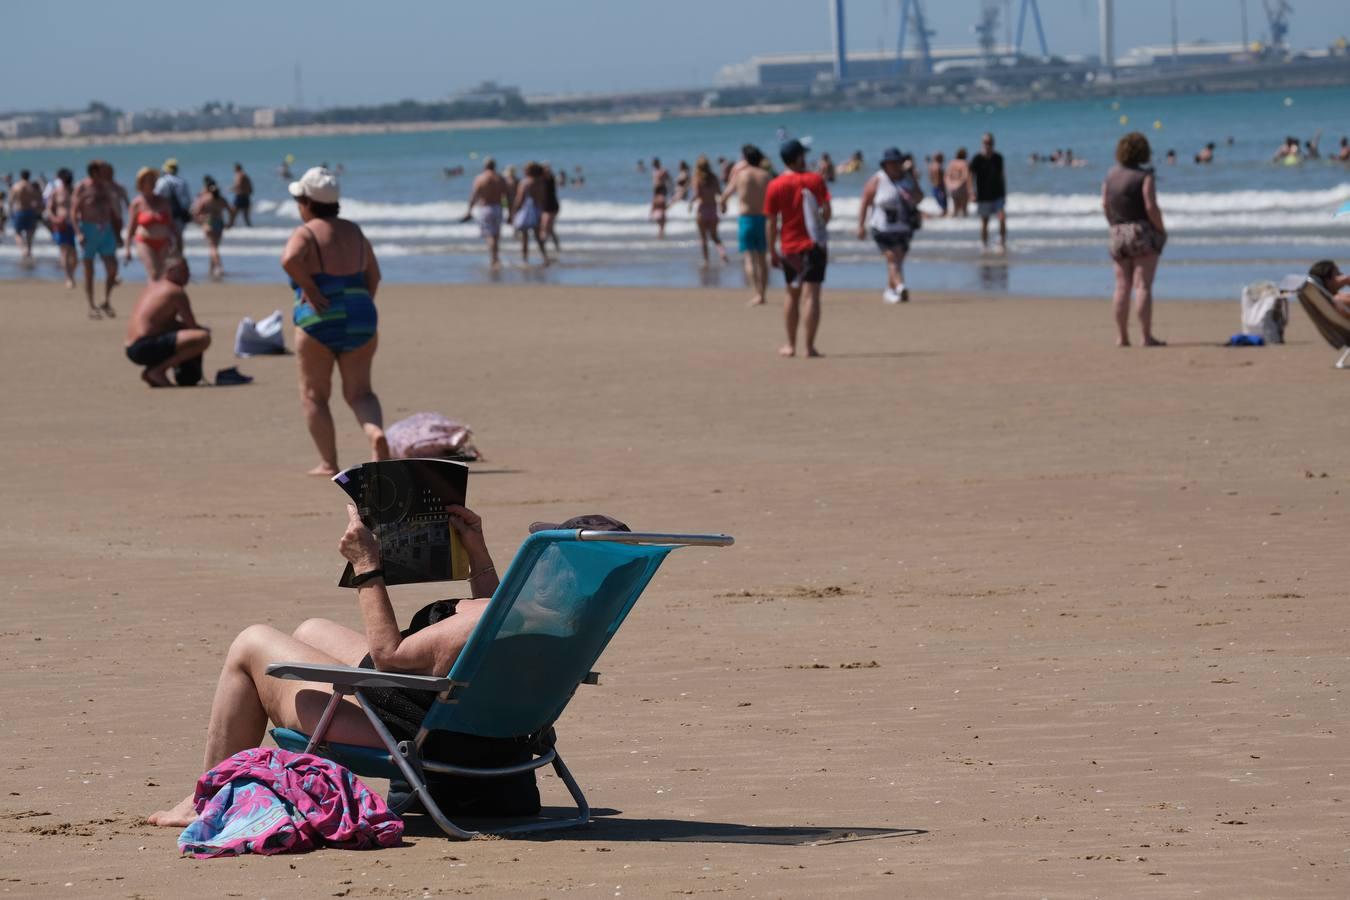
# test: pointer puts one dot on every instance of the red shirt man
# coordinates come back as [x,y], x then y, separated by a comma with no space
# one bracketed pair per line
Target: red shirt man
[800,199]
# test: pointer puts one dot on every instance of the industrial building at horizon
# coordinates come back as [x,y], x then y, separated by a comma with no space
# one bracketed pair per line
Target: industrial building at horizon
[916,58]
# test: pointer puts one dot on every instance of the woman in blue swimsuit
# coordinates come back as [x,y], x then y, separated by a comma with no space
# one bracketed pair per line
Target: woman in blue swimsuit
[334,273]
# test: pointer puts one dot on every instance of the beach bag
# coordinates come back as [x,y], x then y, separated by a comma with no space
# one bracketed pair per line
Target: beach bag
[428,434]
[260,338]
[1265,312]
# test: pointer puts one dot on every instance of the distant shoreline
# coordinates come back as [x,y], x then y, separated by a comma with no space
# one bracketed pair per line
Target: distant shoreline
[308,131]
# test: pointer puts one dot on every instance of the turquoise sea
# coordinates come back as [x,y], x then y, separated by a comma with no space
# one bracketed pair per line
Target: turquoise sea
[1239,220]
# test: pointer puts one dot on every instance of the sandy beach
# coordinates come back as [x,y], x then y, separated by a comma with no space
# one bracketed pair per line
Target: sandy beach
[1010,613]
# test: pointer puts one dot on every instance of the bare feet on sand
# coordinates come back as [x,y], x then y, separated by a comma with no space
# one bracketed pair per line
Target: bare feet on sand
[813,353]
[94,313]
[757,300]
[1154,342]
[787,350]
[180,816]
[323,469]
[155,379]
[108,310]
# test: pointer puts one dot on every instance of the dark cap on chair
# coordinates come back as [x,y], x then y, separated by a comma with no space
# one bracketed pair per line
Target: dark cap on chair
[589,522]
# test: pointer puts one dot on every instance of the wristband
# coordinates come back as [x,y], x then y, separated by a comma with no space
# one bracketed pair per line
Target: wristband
[364,577]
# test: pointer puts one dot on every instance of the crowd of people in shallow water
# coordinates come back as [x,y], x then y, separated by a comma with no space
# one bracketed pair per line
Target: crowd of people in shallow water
[782,219]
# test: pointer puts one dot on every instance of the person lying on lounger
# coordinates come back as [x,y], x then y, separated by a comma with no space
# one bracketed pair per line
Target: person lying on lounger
[246,698]
[1337,285]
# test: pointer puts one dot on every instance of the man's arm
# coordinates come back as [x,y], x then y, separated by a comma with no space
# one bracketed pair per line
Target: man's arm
[869,195]
[183,309]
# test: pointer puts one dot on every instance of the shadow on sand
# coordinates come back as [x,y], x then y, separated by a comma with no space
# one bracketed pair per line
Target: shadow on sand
[605,825]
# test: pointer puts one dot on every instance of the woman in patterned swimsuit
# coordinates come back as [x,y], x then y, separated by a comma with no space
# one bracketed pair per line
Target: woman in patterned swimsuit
[334,273]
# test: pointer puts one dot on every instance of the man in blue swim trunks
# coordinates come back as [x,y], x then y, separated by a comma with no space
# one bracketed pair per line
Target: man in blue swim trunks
[93,209]
[25,213]
[749,180]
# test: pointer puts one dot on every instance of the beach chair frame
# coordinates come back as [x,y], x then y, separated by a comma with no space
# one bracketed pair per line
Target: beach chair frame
[405,757]
[1327,318]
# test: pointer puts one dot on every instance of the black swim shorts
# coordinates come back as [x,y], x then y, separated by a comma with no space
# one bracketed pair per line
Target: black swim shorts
[809,267]
[892,240]
[152,350]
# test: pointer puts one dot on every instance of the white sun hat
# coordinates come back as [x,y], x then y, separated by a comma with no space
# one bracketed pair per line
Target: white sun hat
[318,184]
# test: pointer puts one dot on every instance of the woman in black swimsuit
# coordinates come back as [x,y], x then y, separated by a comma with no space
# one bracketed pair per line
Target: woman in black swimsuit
[246,698]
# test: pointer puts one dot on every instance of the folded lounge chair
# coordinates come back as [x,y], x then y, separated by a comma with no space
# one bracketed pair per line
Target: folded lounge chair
[564,596]
[1331,321]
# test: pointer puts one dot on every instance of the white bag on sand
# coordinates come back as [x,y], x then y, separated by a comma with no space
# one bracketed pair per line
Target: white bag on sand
[260,338]
[1264,311]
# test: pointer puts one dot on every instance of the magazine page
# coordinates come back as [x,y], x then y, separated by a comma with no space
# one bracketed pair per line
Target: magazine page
[403,502]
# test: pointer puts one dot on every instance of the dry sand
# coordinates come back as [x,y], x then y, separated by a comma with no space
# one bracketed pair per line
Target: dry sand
[1070,619]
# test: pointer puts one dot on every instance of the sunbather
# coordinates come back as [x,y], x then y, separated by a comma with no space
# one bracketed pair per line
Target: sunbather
[1337,285]
[246,698]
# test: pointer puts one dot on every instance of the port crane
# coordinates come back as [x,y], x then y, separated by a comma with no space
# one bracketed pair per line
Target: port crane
[1277,15]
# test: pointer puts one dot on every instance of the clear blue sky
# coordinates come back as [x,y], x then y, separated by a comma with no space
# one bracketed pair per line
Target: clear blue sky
[138,54]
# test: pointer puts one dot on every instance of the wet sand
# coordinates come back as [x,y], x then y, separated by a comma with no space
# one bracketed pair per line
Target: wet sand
[1010,613]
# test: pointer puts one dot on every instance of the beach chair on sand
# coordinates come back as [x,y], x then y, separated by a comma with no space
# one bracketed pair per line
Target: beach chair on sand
[564,596]
[1331,322]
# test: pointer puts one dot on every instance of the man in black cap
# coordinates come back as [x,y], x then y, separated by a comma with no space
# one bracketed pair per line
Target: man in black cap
[802,201]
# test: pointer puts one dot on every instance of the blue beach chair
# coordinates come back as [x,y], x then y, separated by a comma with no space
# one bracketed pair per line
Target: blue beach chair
[564,596]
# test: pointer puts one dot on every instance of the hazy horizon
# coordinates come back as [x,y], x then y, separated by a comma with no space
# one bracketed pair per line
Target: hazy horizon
[183,56]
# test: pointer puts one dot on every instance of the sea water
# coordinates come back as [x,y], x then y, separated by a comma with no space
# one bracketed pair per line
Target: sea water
[1239,220]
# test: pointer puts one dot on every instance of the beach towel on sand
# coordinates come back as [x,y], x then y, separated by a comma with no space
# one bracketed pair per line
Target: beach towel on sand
[428,434]
[273,801]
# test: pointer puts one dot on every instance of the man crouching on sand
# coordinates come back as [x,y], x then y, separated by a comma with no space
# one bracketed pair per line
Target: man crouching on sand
[162,333]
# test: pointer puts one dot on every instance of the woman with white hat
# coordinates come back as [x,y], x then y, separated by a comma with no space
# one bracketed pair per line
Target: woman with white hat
[335,274]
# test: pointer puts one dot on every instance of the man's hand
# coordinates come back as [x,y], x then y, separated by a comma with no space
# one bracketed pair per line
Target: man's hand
[358,545]
[862,232]
[775,260]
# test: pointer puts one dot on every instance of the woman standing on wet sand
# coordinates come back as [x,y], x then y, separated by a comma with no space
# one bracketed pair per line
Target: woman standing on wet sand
[707,195]
[150,227]
[1129,198]
[209,211]
[335,275]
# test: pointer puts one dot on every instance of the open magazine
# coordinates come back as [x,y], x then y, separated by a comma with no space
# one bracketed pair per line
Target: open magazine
[403,502]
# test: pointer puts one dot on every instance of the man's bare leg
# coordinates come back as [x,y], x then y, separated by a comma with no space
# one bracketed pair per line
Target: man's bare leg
[68,263]
[525,247]
[89,289]
[761,267]
[543,248]
[110,282]
[316,385]
[1002,230]
[790,312]
[246,698]
[752,277]
[984,231]
[190,342]
[812,315]
[494,247]
[356,390]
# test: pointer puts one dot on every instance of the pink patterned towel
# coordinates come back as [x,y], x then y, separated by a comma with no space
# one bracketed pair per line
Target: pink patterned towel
[274,801]
[428,434]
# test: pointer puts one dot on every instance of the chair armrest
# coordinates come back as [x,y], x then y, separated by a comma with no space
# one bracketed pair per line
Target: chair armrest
[348,676]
